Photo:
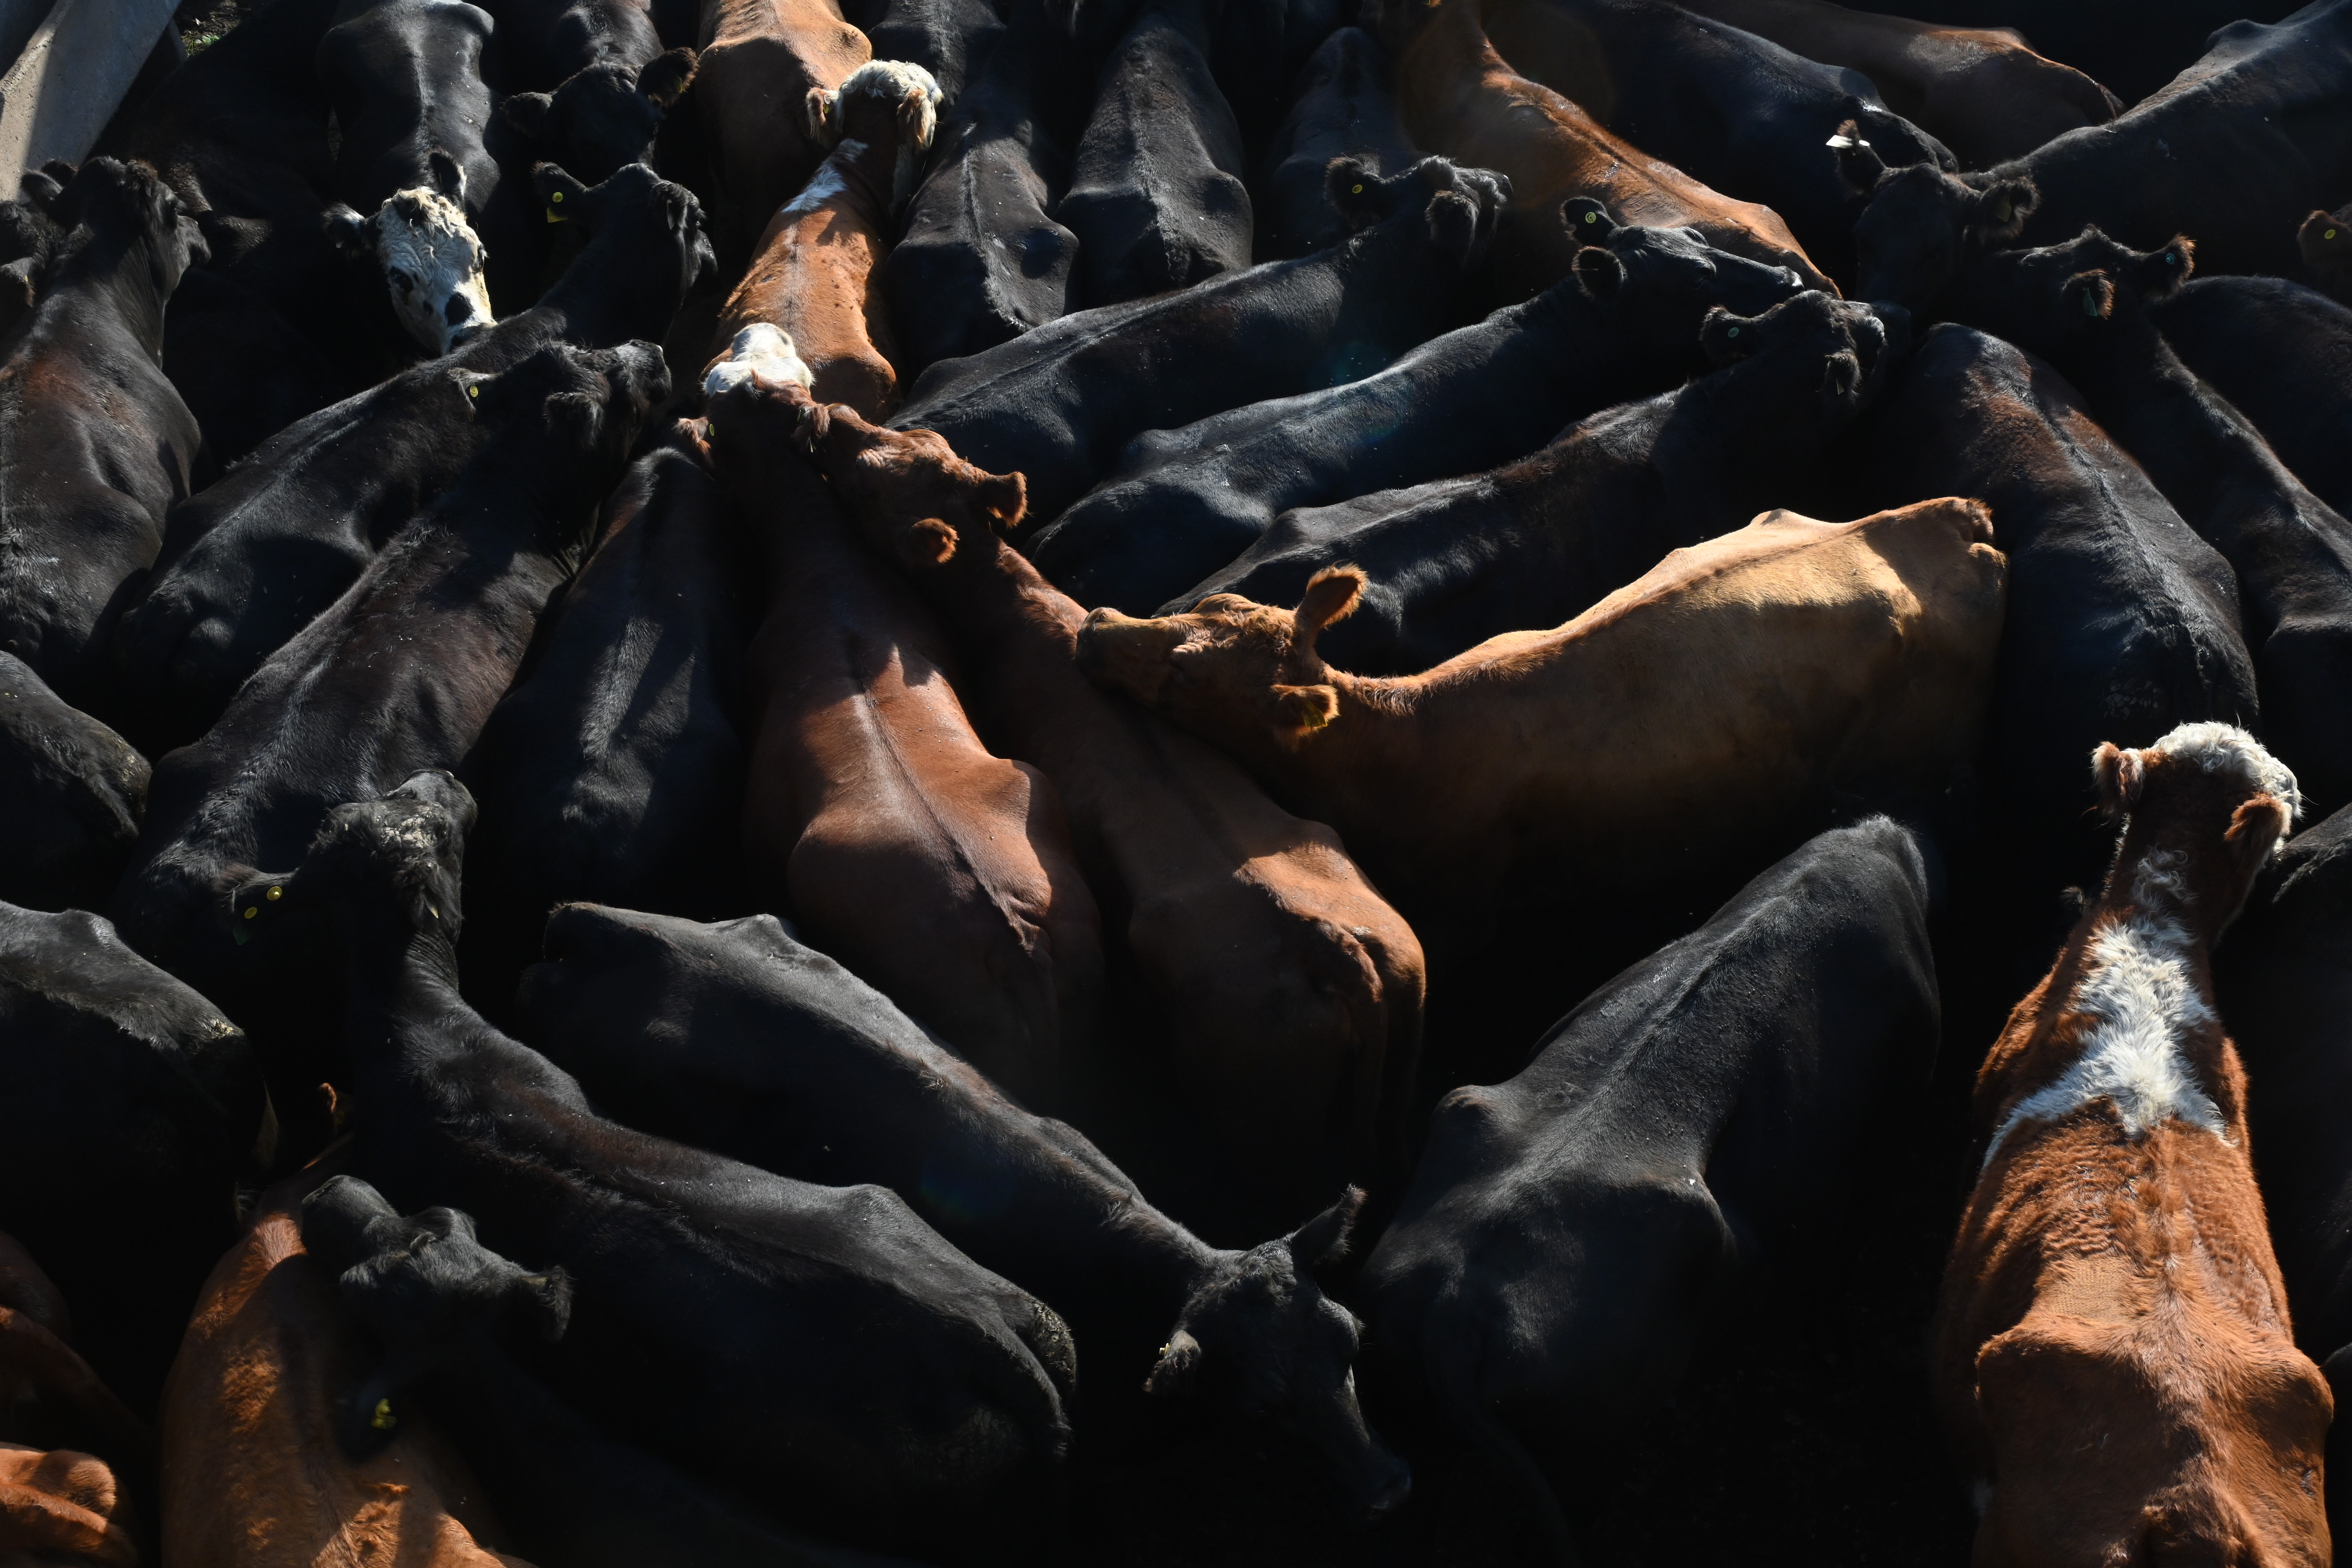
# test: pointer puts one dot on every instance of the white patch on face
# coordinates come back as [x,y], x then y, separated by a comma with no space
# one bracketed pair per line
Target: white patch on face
[2226,749]
[897,82]
[2141,991]
[827,183]
[430,257]
[761,354]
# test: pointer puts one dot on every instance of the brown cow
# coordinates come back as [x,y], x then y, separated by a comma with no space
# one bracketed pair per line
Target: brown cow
[940,874]
[1293,991]
[1698,708]
[59,1504]
[813,276]
[1981,91]
[760,60]
[255,1475]
[1460,101]
[58,1507]
[2113,1353]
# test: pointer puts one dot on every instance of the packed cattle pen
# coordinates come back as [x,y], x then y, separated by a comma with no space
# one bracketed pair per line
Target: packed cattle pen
[1175,784]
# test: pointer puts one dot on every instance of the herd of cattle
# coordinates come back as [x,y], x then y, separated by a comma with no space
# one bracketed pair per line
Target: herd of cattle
[649,652]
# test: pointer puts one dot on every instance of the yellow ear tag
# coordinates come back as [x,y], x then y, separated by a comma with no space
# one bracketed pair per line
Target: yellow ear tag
[251,911]
[383,1420]
[473,392]
[1355,190]
[274,894]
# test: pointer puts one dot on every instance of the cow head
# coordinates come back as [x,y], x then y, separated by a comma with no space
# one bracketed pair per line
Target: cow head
[604,117]
[1236,672]
[1922,226]
[909,492]
[431,258]
[882,103]
[2326,241]
[1258,1335]
[2201,786]
[2110,1447]
[1460,206]
[425,1286]
[110,203]
[1841,350]
[589,404]
[1665,279]
[634,190]
[2060,296]
[381,870]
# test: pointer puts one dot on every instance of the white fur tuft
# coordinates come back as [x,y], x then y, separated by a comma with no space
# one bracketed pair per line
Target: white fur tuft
[761,354]
[894,81]
[2139,988]
[2226,749]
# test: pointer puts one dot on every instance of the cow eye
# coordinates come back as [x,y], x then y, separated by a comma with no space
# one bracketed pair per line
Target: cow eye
[401,279]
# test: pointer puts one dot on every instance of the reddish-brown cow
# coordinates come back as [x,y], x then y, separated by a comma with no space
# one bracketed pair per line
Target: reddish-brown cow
[2113,1351]
[1293,990]
[760,60]
[59,1505]
[814,273]
[1981,91]
[254,1474]
[940,874]
[1459,99]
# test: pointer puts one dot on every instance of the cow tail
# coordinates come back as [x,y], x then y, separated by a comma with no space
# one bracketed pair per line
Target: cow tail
[1454,1376]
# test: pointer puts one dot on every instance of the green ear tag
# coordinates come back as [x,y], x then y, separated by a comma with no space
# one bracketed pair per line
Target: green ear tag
[1732,334]
[1592,218]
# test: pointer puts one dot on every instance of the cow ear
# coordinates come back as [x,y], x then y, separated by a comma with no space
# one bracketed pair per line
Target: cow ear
[1306,709]
[447,176]
[2169,268]
[1331,594]
[575,416]
[2117,773]
[558,192]
[814,423]
[15,292]
[2322,238]
[346,232]
[439,786]
[1601,272]
[825,117]
[2088,294]
[2255,829]
[41,189]
[1178,1370]
[926,543]
[545,1302]
[1352,186]
[2002,208]
[336,1217]
[665,77]
[1323,1240]
[918,119]
[1003,498]
[1587,220]
[1726,339]
[1858,161]
[472,385]
[526,112]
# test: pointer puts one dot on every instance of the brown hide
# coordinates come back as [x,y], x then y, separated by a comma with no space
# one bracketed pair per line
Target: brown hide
[1460,101]
[1981,91]
[758,60]
[813,273]
[58,1503]
[2113,1353]
[1704,702]
[60,1508]
[1292,991]
[253,1474]
[941,873]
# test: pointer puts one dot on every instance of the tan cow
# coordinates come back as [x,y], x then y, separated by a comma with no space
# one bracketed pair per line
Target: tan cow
[1291,990]
[1459,99]
[1981,91]
[2113,1354]
[1701,705]
[254,1473]
[814,273]
[760,60]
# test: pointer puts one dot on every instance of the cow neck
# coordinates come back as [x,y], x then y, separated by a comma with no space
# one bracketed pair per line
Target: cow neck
[1444,63]
[399,988]
[123,273]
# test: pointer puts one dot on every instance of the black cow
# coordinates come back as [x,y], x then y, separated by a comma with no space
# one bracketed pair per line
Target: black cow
[401,674]
[1682,1143]
[129,1110]
[462,1321]
[614,771]
[278,323]
[71,794]
[1341,106]
[405,77]
[2085,305]
[95,442]
[1739,112]
[979,258]
[608,113]
[737,1038]
[1156,196]
[818,1349]
[247,563]
[2281,354]
[947,37]
[1451,563]
[2284,978]
[1624,324]
[2121,622]
[2234,152]
[1058,403]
